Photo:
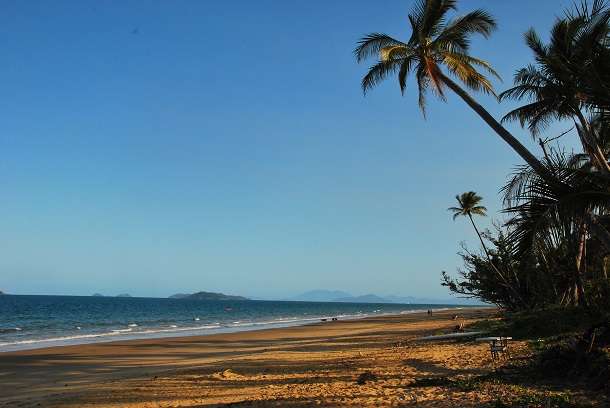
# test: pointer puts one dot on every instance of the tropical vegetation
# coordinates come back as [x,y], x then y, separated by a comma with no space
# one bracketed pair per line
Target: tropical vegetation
[545,263]
[553,247]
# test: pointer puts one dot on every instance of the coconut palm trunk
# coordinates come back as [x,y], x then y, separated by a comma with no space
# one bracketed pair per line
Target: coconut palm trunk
[596,228]
[481,239]
[518,297]
[512,141]
[438,45]
[590,145]
[579,290]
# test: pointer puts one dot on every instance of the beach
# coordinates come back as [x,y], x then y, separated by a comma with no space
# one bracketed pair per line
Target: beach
[315,364]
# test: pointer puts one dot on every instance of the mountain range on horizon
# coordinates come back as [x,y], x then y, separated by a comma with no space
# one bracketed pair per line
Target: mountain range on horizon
[206,296]
[323,295]
[317,295]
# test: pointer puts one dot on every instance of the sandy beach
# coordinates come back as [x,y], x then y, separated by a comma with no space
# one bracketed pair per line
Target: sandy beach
[317,364]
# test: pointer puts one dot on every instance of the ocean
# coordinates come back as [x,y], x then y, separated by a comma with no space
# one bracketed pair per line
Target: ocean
[28,322]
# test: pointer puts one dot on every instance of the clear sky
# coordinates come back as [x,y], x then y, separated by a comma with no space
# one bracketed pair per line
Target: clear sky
[154,147]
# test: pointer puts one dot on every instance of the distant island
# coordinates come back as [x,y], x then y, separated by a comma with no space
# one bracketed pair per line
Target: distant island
[1,293]
[207,296]
[179,296]
[123,295]
[97,295]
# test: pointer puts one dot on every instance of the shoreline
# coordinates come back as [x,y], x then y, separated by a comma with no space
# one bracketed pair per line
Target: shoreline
[203,330]
[74,376]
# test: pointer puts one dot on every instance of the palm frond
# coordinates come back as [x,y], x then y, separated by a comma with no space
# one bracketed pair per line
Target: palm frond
[395,52]
[405,68]
[458,31]
[534,42]
[536,115]
[461,66]
[422,87]
[434,19]
[371,45]
[378,73]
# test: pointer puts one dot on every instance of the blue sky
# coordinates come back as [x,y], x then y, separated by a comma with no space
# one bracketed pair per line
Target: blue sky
[162,147]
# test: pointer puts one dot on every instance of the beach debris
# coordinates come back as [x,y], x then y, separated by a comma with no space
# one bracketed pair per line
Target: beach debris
[323,320]
[227,374]
[365,377]
[334,319]
[450,336]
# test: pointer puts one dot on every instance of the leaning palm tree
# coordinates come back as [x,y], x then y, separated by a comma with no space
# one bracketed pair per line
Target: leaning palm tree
[436,45]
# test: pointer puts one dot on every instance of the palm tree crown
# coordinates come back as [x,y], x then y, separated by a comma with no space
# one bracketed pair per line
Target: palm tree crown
[434,42]
[559,84]
[469,204]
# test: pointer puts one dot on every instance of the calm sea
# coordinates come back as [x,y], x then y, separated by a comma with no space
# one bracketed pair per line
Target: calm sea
[28,322]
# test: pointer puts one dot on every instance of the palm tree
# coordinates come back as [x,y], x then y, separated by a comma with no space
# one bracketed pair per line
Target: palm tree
[434,44]
[569,79]
[558,85]
[547,220]
[469,205]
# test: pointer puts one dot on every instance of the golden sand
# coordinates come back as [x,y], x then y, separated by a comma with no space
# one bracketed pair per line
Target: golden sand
[313,365]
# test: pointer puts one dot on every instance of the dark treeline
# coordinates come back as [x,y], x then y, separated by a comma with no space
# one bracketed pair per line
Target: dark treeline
[553,249]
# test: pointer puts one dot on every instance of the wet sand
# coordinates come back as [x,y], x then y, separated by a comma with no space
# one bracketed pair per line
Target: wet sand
[317,364]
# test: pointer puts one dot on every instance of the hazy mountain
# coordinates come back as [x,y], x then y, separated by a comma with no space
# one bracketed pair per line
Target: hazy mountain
[207,296]
[370,298]
[321,295]
[123,295]
[97,295]
[340,296]
[179,296]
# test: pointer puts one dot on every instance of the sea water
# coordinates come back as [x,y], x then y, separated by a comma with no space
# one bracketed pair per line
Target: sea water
[28,322]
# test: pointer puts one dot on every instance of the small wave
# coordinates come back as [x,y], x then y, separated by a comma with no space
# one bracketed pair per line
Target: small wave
[10,330]
[132,325]
[121,330]
[112,333]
